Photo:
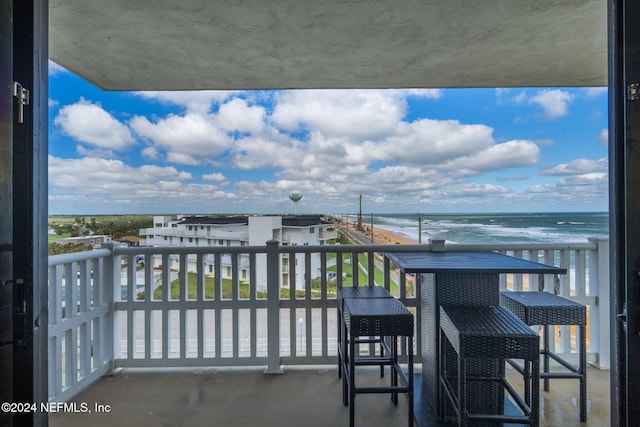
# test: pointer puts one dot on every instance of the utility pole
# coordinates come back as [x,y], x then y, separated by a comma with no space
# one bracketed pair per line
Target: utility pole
[360,228]
[372,239]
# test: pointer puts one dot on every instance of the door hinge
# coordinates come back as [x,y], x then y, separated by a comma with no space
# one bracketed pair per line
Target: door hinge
[633,92]
[22,94]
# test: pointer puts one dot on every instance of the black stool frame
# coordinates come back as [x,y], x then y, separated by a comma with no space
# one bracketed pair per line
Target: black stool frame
[479,332]
[386,317]
[546,309]
[362,292]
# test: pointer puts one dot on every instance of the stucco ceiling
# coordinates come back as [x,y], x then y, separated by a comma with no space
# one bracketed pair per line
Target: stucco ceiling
[268,44]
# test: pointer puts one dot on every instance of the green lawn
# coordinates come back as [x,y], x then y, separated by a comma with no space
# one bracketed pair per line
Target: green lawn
[347,280]
[363,279]
[209,288]
[54,237]
[70,219]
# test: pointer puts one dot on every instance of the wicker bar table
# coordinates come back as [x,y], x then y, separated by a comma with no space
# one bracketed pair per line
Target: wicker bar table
[458,278]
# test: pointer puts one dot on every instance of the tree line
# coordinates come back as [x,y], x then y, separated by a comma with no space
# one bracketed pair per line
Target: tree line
[82,226]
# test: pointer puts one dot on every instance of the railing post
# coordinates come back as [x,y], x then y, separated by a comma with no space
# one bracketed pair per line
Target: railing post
[111,286]
[437,245]
[273,309]
[599,274]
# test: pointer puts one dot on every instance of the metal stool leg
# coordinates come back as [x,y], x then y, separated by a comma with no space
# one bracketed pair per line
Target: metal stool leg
[410,369]
[347,361]
[462,392]
[339,337]
[381,355]
[442,398]
[394,372]
[352,378]
[534,403]
[546,352]
[583,373]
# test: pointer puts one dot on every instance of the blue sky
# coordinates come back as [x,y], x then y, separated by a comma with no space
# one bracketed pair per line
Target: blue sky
[413,151]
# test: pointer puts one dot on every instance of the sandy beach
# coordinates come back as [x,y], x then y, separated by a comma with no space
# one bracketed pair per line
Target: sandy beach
[380,235]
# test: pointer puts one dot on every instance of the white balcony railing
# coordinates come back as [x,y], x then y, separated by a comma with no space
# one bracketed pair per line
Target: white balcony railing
[176,312]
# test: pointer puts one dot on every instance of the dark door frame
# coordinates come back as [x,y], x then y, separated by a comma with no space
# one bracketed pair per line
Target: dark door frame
[624,210]
[30,208]
[6,207]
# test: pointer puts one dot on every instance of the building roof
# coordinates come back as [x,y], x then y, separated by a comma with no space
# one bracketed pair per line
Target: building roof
[303,221]
[214,220]
[276,44]
[287,221]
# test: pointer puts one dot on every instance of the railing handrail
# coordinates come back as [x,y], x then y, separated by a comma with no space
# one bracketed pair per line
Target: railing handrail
[188,250]
[142,250]
[78,256]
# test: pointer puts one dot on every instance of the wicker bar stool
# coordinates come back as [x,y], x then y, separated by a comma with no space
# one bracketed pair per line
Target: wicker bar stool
[362,292]
[386,317]
[470,333]
[546,309]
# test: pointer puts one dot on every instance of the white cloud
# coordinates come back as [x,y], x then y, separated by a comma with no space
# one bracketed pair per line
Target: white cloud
[237,115]
[93,184]
[263,152]
[214,177]
[513,178]
[397,182]
[91,124]
[554,102]
[361,114]
[577,167]
[196,136]
[96,174]
[422,93]
[182,158]
[199,101]
[603,136]
[94,152]
[53,103]
[432,142]
[576,190]
[500,156]
[150,153]
[474,190]
[505,96]
[188,139]
[55,69]
[587,179]
[592,92]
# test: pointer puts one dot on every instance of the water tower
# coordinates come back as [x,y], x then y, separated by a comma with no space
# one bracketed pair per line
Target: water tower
[295,197]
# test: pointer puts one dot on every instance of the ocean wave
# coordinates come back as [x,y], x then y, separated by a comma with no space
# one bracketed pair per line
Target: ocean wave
[496,228]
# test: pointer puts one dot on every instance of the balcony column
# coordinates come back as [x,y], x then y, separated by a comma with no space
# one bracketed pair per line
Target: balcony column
[600,317]
[111,294]
[273,308]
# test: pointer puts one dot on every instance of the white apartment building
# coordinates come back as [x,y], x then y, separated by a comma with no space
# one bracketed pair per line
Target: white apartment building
[94,240]
[210,231]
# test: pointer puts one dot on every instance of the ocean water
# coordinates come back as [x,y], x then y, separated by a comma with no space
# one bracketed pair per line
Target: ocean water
[496,227]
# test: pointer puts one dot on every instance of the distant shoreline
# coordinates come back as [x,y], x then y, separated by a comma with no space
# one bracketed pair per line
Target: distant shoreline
[381,236]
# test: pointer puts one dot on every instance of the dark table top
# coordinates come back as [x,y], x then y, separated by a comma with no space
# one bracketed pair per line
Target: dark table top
[467,262]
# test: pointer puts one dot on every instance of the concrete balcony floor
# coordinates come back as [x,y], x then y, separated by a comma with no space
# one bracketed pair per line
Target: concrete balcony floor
[303,396]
